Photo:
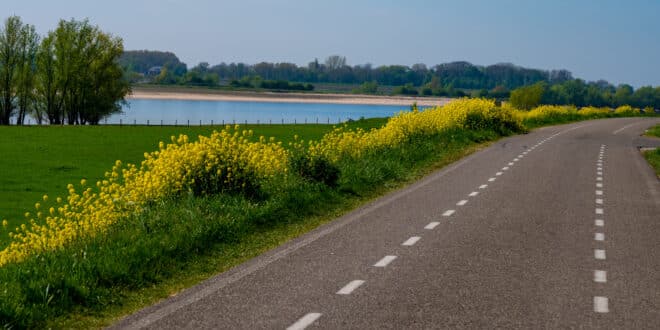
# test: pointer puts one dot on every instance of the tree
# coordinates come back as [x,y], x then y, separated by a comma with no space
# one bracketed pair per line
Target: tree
[527,97]
[10,64]
[27,68]
[81,81]
[335,62]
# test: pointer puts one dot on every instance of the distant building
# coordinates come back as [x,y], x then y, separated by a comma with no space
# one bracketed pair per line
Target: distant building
[154,71]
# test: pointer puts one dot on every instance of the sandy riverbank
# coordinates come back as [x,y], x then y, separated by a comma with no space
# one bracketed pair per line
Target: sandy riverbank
[201,95]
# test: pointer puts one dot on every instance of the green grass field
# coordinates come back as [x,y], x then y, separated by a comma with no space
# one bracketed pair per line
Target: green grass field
[653,157]
[38,160]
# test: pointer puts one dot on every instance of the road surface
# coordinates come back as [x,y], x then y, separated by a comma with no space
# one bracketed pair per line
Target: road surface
[559,228]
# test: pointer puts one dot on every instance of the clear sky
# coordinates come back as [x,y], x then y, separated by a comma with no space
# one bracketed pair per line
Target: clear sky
[616,40]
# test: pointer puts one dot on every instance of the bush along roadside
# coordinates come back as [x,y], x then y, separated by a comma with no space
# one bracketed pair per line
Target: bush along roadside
[143,223]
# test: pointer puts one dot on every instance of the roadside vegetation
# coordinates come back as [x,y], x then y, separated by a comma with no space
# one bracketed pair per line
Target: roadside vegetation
[653,156]
[117,241]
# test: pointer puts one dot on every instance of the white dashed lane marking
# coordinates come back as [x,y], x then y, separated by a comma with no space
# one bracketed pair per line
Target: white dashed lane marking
[411,241]
[474,193]
[448,213]
[600,276]
[599,211]
[599,201]
[461,203]
[491,179]
[599,222]
[599,237]
[599,192]
[432,225]
[483,186]
[350,287]
[599,254]
[498,173]
[599,185]
[385,261]
[304,321]
[505,168]
[600,305]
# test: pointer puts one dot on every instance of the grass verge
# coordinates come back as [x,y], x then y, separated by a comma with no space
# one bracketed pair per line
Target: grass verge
[653,156]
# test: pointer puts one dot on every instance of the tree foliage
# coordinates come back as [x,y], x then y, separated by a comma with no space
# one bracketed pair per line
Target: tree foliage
[72,76]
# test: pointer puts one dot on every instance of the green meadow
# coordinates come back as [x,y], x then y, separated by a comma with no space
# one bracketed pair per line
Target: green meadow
[42,160]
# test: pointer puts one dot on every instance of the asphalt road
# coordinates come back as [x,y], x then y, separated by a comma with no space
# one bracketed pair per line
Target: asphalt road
[559,228]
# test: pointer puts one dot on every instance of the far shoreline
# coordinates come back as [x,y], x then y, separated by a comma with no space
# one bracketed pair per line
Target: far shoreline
[198,94]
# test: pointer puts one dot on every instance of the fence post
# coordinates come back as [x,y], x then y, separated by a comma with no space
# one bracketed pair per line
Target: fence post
[200,122]
[188,122]
[161,123]
[282,121]
[176,121]
[119,122]
[147,122]
[211,122]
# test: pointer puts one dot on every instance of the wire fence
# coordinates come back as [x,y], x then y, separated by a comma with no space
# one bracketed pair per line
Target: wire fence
[189,123]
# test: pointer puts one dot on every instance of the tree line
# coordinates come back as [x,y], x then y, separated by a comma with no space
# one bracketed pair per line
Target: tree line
[71,75]
[448,79]
[580,93]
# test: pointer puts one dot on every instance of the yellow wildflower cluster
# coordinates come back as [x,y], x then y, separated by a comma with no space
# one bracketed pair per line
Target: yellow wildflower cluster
[225,159]
[461,113]
[626,110]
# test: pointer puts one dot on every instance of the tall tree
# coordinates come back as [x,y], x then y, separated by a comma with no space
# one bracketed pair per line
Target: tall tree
[10,58]
[86,83]
[27,69]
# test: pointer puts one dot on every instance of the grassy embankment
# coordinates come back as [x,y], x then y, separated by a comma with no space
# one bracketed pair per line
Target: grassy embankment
[653,156]
[177,241]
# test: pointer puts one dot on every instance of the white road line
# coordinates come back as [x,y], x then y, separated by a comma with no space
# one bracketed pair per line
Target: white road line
[520,156]
[505,168]
[483,186]
[491,179]
[411,241]
[448,213]
[600,305]
[599,173]
[624,127]
[599,168]
[304,321]
[599,254]
[599,237]
[599,222]
[600,276]
[515,159]
[599,201]
[599,185]
[474,193]
[599,210]
[600,178]
[510,164]
[385,261]
[462,202]
[431,225]
[498,173]
[350,287]
[599,192]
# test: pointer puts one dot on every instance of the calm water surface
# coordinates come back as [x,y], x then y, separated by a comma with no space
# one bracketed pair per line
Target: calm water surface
[181,111]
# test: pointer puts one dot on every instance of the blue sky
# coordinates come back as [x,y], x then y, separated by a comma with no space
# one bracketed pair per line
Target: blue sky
[595,39]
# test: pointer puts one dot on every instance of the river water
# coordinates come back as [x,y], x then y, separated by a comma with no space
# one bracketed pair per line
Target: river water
[182,112]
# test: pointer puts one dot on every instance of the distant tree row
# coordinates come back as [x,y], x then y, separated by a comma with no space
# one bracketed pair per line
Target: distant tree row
[71,75]
[443,79]
[580,93]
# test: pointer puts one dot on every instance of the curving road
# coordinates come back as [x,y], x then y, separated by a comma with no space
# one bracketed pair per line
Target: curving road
[558,228]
